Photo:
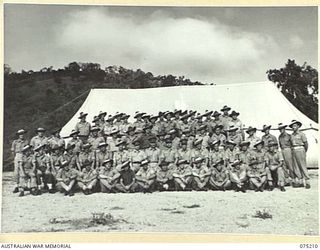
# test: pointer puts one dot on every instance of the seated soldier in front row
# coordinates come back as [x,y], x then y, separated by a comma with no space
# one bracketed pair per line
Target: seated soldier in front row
[108,176]
[200,174]
[219,179]
[87,178]
[257,175]
[238,175]
[66,179]
[164,178]
[145,177]
[182,176]
[127,180]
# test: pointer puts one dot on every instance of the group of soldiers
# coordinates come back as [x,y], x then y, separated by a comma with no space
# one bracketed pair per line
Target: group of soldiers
[171,151]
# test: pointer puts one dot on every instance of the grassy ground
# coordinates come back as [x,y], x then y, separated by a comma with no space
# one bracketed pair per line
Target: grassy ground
[294,212]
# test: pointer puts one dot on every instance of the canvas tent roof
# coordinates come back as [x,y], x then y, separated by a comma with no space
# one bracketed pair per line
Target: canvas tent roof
[258,103]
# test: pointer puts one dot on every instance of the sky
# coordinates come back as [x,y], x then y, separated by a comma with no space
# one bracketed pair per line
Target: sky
[208,44]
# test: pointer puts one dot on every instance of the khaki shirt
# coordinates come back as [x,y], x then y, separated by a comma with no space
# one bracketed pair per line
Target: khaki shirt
[168,155]
[237,138]
[83,128]
[100,157]
[285,140]
[160,175]
[298,138]
[55,141]
[231,156]
[253,140]
[246,157]
[184,154]
[94,141]
[78,145]
[146,174]
[220,137]
[216,155]
[269,138]
[17,145]
[37,140]
[137,156]
[153,154]
[219,176]
[120,157]
[274,158]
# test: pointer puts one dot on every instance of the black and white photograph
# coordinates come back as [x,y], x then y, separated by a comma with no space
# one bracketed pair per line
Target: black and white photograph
[166,119]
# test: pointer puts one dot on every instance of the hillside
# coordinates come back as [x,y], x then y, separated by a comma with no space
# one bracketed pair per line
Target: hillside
[49,98]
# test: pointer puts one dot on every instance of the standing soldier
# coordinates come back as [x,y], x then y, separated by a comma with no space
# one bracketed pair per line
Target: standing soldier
[75,141]
[235,122]
[41,165]
[108,176]
[267,137]
[219,178]
[87,178]
[274,162]
[164,178]
[208,121]
[83,127]
[66,179]
[200,174]
[26,170]
[234,136]
[102,115]
[108,126]
[182,176]
[286,145]
[217,121]
[299,149]
[124,123]
[169,125]
[225,118]
[122,155]
[153,153]
[137,155]
[156,128]
[117,120]
[145,178]
[184,125]
[16,149]
[252,138]
[56,139]
[95,139]
[39,139]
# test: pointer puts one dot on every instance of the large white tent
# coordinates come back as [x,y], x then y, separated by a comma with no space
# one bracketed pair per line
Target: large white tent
[258,103]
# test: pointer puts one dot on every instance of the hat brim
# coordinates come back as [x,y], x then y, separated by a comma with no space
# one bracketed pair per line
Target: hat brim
[299,124]
[266,128]
[83,115]
[225,109]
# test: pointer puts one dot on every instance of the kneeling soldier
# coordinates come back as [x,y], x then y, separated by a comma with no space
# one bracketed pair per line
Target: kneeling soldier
[219,179]
[87,178]
[108,176]
[27,170]
[274,167]
[200,173]
[164,178]
[182,175]
[66,179]
[146,177]
[127,180]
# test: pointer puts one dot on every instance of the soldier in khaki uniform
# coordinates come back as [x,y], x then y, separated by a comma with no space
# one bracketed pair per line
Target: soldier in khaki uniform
[268,138]
[291,169]
[245,155]
[217,121]
[85,154]
[101,155]
[124,123]
[164,178]
[83,127]
[238,175]
[299,150]
[39,139]
[183,152]
[43,173]
[69,156]
[169,154]
[182,176]
[219,178]
[56,140]
[16,149]
[108,176]
[198,151]
[145,178]
[234,136]
[219,136]
[94,139]
[27,171]
[153,153]
[225,118]
[216,154]
[122,155]
[274,163]
[66,179]
[137,155]
[139,123]
[76,142]
[252,138]
[87,178]
[236,123]
[257,175]
[200,174]
[231,153]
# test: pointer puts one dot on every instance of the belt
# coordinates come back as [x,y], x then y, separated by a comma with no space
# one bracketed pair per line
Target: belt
[285,147]
[297,147]
[136,162]
[153,162]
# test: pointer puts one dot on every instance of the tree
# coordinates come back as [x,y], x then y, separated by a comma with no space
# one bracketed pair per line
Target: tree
[299,84]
